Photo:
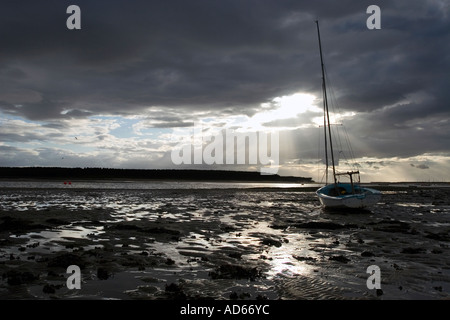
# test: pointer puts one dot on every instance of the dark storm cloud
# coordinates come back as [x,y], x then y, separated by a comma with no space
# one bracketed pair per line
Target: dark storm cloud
[207,54]
[226,58]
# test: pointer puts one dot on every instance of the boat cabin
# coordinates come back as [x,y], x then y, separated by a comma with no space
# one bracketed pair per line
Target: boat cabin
[342,189]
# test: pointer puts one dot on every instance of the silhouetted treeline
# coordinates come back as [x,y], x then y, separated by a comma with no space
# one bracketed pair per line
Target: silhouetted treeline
[136,174]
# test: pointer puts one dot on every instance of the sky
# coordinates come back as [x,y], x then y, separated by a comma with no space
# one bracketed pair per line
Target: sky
[126,88]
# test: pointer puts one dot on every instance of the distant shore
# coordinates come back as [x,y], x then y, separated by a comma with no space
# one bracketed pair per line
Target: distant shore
[49,173]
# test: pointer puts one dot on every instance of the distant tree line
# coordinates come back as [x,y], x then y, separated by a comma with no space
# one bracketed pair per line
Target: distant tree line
[140,174]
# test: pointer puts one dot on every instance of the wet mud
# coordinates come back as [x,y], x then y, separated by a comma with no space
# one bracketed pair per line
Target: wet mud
[221,244]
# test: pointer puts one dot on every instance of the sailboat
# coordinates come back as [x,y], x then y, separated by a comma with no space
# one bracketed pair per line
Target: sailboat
[341,194]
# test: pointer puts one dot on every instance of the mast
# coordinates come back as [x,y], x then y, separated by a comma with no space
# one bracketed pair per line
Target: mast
[326,119]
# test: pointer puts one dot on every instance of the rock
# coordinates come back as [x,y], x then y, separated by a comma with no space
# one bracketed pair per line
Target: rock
[322,225]
[397,267]
[339,258]
[49,289]
[33,245]
[279,226]
[18,225]
[125,227]
[393,226]
[227,228]
[442,236]
[229,271]
[56,221]
[244,295]
[308,259]
[66,259]
[271,242]
[367,254]
[102,273]
[235,255]
[175,291]
[159,230]
[234,295]
[19,277]
[413,250]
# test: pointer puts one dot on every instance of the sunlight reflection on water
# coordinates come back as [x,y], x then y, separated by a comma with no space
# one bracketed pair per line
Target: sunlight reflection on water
[147,185]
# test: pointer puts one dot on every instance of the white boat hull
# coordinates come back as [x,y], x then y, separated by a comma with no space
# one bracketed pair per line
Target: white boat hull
[366,198]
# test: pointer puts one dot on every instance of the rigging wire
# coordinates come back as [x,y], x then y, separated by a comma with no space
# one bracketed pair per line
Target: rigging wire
[350,160]
[319,158]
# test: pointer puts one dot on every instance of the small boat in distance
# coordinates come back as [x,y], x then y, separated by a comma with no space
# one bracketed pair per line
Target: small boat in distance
[339,194]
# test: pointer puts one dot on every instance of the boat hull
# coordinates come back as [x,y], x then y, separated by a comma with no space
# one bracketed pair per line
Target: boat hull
[363,198]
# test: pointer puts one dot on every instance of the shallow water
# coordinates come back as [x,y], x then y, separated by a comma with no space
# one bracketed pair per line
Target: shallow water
[231,242]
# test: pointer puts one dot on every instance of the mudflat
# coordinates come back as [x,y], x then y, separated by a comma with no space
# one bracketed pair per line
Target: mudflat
[264,243]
